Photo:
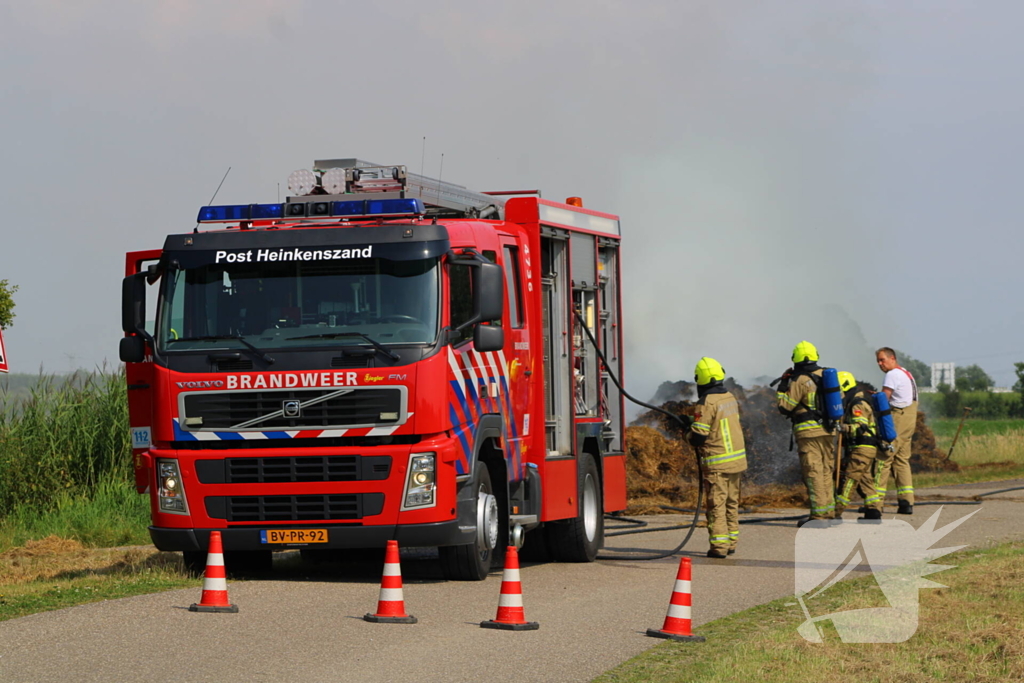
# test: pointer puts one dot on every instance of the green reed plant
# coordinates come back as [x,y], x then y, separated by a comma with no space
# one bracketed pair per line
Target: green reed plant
[70,434]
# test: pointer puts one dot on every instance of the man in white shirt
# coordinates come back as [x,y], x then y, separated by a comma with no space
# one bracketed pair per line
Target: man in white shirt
[901,389]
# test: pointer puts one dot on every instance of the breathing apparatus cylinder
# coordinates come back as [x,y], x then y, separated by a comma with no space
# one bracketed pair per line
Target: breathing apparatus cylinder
[883,416]
[832,395]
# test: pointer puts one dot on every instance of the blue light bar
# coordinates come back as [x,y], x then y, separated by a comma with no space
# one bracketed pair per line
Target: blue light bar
[377,207]
[240,212]
[347,209]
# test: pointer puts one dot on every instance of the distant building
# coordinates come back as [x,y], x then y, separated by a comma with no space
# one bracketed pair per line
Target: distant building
[944,373]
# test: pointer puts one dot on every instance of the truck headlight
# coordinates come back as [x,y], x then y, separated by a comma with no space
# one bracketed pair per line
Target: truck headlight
[170,492]
[419,484]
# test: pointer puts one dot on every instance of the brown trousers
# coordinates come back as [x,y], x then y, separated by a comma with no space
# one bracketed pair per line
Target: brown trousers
[722,507]
[817,465]
[899,458]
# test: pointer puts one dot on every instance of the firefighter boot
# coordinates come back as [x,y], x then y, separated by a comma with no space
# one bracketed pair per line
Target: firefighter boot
[905,508]
[718,553]
[871,515]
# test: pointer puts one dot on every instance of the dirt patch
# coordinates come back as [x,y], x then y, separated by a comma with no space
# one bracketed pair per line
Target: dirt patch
[44,547]
[54,558]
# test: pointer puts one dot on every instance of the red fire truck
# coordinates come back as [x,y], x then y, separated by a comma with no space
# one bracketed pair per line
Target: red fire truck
[381,356]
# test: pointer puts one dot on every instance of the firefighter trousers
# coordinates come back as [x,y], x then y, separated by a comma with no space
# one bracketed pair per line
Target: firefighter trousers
[817,466]
[858,478]
[898,460]
[722,507]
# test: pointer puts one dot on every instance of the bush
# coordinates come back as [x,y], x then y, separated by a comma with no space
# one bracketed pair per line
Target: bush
[984,405]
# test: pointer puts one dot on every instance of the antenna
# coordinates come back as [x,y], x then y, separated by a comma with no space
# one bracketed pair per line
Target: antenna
[423,154]
[196,229]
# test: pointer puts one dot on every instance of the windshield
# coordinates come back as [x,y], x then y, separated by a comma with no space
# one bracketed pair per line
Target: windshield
[297,304]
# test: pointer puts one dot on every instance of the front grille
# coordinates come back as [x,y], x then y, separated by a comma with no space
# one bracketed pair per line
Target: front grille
[293,469]
[242,410]
[295,508]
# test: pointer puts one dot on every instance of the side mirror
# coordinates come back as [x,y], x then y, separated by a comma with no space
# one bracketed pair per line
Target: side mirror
[132,349]
[488,292]
[488,338]
[133,303]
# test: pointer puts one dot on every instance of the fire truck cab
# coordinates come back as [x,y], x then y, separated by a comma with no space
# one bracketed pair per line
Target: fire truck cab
[381,356]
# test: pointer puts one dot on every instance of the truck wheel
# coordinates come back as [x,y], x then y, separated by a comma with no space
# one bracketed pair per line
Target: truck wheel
[473,562]
[579,539]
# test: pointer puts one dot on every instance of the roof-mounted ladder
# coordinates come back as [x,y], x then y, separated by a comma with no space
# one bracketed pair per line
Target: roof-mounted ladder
[442,199]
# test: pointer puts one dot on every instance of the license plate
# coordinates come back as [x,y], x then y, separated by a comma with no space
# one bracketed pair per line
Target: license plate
[294,536]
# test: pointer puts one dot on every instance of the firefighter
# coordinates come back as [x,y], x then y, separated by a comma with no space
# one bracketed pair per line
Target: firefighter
[861,445]
[718,437]
[797,398]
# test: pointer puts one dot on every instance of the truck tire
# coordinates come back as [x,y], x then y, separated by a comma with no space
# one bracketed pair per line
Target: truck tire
[579,539]
[472,562]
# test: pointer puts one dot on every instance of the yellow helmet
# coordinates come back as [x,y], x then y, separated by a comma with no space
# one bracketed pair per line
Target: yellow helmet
[804,351]
[708,370]
[846,380]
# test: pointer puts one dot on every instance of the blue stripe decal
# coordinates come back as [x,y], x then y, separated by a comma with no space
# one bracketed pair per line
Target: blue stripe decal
[461,463]
[229,436]
[276,435]
[180,434]
[457,386]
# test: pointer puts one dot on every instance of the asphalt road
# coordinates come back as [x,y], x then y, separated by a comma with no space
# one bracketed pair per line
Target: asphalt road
[310,628]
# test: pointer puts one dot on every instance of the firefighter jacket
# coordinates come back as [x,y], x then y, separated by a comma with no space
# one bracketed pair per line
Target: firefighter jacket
[859,415]
[717,433]
[798,400]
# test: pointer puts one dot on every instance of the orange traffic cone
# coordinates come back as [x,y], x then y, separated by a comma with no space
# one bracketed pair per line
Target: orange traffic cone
[511,616]
[677,621]
[391,604]
[215,583]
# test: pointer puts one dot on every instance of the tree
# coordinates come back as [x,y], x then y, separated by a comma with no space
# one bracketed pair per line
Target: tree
[973,378]
[1019,386]
[922,373]
[7,291]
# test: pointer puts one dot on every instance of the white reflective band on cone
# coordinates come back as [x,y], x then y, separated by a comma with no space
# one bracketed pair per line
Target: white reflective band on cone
[215,584]
[679,611]
[392,570]
[390,595]
[511,575]
[510,600]
[682,586]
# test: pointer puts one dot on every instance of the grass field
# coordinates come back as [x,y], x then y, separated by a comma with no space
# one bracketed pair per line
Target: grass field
[970,630]
[945,428]
[987,450]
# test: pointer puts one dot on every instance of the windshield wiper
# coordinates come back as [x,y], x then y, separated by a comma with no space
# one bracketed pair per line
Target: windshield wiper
[332,335]
[217,337]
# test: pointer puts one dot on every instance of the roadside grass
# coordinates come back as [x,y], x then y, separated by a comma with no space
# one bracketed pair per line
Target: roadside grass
[945,428]
[970,630]
[54,573]
[988,454]
[110,514]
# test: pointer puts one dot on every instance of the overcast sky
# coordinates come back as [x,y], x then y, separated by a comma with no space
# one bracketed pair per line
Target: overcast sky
[847,172]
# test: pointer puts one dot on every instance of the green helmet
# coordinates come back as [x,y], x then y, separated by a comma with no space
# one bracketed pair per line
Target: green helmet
[846,380]
[708,370]
[804,351]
